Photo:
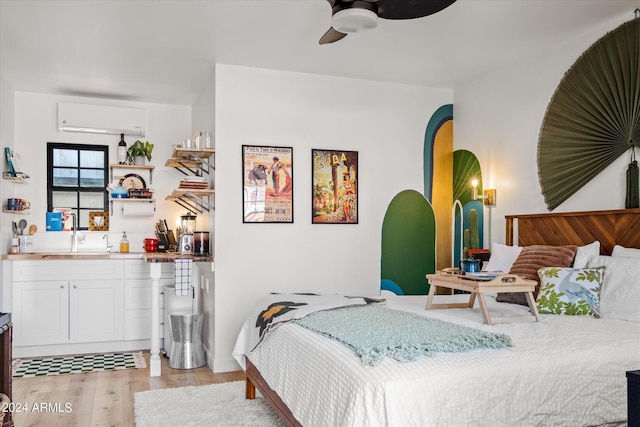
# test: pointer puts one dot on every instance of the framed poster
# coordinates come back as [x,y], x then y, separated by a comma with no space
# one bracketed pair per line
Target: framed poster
[267,184]
[335,187]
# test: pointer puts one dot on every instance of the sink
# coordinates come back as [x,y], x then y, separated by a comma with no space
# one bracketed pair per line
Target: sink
[68,252]
[61,254]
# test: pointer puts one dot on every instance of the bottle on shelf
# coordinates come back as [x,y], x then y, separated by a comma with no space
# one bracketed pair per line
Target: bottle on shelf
[124,243]
[122,150]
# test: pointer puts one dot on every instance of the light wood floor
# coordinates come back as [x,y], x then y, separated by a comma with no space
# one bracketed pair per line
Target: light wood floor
[100,398]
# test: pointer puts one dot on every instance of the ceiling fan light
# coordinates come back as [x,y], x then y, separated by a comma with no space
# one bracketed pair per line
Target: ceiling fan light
[354,20]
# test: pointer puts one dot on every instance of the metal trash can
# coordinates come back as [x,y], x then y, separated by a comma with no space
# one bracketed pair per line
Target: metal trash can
[173,303]
[186,340]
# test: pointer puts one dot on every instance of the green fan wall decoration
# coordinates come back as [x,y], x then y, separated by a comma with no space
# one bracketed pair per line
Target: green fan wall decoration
[594,115]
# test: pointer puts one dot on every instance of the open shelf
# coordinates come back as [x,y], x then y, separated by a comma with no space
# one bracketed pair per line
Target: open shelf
[191,161]
[15,179]
[193,200]
[131,200]
[16,212]
[149,168]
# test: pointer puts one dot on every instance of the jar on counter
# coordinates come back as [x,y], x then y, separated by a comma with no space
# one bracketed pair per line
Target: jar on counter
[124,243]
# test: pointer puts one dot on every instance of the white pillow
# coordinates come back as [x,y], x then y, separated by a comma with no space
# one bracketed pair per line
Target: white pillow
[621,251]
[620,292]
[584,253]
[502,257]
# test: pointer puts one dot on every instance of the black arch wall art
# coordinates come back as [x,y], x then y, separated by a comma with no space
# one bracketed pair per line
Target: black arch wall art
[594,115]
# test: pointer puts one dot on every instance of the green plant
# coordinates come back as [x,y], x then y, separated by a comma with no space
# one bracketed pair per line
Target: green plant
[140,148]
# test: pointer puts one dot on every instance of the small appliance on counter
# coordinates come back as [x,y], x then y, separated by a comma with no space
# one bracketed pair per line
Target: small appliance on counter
[166,239]
[201,243]
[187,228]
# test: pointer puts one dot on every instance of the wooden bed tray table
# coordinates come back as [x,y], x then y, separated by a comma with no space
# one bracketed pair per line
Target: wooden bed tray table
[478,286]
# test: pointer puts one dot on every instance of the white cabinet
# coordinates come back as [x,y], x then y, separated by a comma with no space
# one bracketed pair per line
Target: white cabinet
[96,310]
[138,298]
[40,313]
[55,303]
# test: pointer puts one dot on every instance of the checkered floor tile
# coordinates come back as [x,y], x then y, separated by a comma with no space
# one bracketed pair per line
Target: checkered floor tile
[23,368]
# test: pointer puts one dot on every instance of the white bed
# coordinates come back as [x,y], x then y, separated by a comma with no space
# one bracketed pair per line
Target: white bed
[546,378]
[562,371]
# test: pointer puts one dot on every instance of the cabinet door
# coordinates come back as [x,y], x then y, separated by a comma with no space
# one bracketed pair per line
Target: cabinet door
[40,313]
[96,310]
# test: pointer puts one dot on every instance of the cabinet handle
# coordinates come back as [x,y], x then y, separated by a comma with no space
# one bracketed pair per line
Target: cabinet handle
[61,286]
[75,286]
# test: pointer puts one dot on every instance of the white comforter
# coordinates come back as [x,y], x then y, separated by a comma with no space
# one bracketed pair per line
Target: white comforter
[562,371]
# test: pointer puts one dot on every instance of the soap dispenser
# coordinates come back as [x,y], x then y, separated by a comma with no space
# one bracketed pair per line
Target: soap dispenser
[124,243]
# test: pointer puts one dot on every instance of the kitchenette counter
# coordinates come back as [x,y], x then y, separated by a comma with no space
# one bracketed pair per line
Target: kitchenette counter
[24,263]
[73,255]
[150,257]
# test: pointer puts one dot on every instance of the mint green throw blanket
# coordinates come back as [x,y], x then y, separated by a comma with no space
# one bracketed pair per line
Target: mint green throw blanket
[375,332]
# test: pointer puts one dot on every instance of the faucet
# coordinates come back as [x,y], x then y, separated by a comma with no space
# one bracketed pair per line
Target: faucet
[106,236]
[74,236]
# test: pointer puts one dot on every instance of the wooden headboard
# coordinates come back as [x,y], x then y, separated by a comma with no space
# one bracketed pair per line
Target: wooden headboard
[610,228]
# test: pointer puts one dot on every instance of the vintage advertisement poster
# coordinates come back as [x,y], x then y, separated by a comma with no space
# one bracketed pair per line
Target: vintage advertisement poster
[335,187]
[267,183]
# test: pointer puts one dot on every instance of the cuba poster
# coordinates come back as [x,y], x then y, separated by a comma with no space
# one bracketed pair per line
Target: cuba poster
[335,186]
[267,184]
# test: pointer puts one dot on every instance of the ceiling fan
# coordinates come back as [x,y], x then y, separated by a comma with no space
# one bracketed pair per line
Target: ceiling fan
[352,16]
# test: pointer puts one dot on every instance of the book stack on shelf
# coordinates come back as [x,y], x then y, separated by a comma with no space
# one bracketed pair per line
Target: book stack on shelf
[14,164]
[194,183]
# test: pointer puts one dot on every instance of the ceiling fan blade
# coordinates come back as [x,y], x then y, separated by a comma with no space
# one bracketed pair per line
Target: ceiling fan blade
[332,36]
[409,9]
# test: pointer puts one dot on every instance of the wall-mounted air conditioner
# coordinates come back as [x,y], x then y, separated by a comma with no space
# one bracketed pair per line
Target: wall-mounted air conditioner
[105,119]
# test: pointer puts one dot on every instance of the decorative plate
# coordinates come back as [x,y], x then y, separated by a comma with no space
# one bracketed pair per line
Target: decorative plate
[132,181]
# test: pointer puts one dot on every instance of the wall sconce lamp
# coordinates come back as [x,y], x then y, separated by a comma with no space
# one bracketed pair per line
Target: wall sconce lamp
[488,197]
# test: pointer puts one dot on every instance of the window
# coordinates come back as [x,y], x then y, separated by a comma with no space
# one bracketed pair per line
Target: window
[77,179]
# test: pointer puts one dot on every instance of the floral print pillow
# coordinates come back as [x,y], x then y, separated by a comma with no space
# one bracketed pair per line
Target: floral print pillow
[573,291]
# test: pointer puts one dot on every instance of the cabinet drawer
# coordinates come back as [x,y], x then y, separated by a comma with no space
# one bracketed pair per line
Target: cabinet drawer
[136,269]
[138,325]
[137,293]
[66,270]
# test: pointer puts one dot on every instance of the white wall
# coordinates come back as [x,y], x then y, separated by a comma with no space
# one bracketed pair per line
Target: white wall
[36,124]
[203,119]
[6,140]
[384,122]
[499,117]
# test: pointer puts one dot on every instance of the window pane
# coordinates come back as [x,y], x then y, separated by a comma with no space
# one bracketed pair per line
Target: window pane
[67,158]
[65,177]
[73,169]
[92,201]
[83,219]
[91,159]
[64,199]
[92,178]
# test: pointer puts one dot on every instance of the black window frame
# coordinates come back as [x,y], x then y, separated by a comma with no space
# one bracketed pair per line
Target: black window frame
[51,146]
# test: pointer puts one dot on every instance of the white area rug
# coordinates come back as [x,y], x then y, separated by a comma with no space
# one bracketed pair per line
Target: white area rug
[209,405]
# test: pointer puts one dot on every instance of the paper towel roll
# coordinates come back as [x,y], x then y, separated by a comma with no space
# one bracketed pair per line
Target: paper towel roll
[139,209]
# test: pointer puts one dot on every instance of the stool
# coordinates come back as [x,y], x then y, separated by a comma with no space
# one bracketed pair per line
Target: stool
[186,340]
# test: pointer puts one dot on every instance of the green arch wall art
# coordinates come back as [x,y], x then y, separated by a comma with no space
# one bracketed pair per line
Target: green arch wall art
[408,243]
[409,246]
[441,116]
[466,167]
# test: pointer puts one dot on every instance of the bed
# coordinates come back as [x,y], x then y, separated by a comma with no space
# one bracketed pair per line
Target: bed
[563,370]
